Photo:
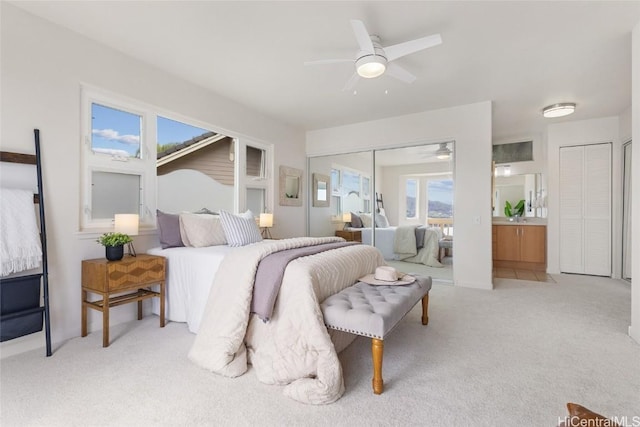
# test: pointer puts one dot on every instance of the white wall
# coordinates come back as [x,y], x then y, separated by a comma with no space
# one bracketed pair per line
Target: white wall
[42,68]
[583,132]
[634,329]
[470,127]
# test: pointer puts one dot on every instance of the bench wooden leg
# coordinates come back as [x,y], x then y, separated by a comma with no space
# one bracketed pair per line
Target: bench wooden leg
[377,348]
[425,309]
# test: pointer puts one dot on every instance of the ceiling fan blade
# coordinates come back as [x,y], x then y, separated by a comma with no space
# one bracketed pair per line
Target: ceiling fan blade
[351,83]
[327,61]
[396,71]
[402,49]
[362,36]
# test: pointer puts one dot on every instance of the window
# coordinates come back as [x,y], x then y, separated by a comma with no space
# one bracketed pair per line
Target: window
[411,198]
[120,142]
[440,198]
[118,160]
[336,199]
[350,191]
[254,182]
[115,132]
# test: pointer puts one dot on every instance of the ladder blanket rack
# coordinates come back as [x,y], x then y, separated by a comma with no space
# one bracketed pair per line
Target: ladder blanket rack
[21,311]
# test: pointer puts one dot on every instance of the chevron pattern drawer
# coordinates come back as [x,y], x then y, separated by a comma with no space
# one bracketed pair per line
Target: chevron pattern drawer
[135,274]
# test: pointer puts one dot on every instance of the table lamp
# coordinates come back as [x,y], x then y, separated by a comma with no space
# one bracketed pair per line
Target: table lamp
[127,224]
[266,222]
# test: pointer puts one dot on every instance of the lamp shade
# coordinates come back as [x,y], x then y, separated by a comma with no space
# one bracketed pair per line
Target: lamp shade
[126,224]
[266,220]
[346,217]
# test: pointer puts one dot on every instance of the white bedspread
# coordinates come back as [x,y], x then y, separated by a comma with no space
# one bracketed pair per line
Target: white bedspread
[190,273]
[20,247]
[294,348]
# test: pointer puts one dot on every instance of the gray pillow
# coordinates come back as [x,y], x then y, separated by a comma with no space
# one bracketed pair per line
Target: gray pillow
[356,222]
[169,226]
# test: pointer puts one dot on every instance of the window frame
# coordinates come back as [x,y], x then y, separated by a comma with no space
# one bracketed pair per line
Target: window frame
[145,166]
[406,195]
[365,198]
[245,182]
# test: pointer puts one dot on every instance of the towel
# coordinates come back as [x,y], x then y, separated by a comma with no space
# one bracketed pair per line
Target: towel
[20,247]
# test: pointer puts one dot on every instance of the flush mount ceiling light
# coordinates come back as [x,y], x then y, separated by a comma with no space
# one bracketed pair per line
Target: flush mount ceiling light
[559,110]
[443,153]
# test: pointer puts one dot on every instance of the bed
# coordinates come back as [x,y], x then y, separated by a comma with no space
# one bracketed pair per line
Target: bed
[211,289]
[417,244]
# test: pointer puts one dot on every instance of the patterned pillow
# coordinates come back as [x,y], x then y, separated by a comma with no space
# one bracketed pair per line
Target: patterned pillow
[169,227]
[240,230]
[199,230]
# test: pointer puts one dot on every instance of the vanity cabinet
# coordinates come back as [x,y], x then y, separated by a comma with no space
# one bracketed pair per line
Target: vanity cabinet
[520,246]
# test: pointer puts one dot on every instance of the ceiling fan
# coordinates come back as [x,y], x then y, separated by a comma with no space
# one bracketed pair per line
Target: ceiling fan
[373,60]
[442,153]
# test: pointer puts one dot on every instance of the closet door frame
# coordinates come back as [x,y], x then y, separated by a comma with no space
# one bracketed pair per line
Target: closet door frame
[586,209]
[626,195]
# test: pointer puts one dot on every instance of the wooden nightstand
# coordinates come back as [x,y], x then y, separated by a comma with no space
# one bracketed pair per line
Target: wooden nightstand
[103,277]
[349,235]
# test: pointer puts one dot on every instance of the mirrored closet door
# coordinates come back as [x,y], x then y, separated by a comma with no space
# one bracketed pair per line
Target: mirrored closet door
[400,200]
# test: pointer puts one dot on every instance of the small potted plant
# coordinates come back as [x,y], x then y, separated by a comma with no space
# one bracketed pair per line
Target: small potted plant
[114,244]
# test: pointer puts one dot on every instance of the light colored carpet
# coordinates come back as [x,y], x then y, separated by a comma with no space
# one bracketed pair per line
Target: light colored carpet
[512,356]
[441,274]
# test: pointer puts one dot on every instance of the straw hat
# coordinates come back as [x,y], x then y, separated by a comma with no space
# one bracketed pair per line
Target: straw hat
[387,275]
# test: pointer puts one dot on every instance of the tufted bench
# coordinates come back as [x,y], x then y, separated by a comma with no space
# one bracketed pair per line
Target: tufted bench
[373,311]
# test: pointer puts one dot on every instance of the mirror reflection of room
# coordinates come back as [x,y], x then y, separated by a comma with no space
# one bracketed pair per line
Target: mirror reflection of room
[520,188]
[404,208]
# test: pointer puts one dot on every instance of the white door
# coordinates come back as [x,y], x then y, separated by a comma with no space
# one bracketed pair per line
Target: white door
[585,209]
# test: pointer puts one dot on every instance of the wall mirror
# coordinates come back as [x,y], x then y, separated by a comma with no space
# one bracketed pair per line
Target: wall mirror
[290,186]
[321,184]
[513,188]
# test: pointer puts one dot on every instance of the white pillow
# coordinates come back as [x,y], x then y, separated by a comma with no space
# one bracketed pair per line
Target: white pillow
[199,230]
[366,219]
[381,221]
[240,230]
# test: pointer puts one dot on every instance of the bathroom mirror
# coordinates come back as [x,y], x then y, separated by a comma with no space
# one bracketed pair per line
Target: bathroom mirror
[321,184]
[290,186]
[513,188]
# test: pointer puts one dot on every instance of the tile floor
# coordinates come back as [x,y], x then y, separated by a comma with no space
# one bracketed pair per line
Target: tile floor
[535,276]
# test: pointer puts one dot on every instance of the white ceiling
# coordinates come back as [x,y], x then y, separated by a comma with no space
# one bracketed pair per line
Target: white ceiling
[520,55]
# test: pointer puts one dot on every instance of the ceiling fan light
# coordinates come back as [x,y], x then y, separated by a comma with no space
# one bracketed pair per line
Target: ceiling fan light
[371,66]
[443,153]
[559,110]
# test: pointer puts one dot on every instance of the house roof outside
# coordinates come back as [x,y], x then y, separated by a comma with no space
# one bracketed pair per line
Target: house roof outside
[189,146]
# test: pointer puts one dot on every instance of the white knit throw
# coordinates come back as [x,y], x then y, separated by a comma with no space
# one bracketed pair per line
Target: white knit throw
[20,247]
